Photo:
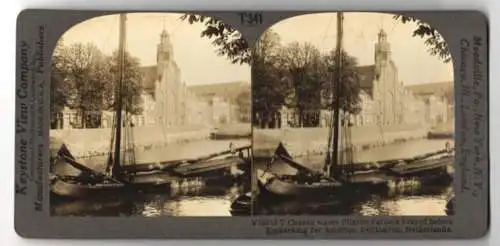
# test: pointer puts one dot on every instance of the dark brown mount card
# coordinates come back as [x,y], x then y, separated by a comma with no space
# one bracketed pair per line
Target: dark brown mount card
[252,124]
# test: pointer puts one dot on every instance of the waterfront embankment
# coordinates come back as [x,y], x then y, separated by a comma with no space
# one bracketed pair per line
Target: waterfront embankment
[84,143]
[306,141]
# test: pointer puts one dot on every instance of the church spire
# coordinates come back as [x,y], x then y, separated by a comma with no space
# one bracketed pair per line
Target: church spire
[382,36]
[164,37]
[382,51]
[164,51]
[382,47]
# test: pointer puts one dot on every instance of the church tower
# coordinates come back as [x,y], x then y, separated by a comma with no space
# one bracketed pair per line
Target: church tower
[163,59]
[387,87]
[383,91]
[382,49]
[168,84]
[164,52]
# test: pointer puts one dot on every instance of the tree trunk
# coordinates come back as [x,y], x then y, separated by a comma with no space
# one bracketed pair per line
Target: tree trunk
[255,119]
[82,118]
[99,121]
[266,120]
[301,118]
[279,120]
[260,121]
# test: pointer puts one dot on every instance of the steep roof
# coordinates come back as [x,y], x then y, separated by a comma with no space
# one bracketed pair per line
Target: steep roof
[149,76]
[366,77]
[228,90]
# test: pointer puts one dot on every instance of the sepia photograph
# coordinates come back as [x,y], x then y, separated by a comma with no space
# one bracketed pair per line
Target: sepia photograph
[150,116]
[352,114]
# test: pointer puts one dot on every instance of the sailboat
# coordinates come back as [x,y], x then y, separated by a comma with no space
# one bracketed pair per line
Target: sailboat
[336,177]
[120,178]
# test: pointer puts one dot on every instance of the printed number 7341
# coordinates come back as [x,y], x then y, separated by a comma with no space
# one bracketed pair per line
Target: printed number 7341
[251,18]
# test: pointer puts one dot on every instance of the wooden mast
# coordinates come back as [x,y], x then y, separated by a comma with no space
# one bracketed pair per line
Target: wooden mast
[119,96]
[336,107]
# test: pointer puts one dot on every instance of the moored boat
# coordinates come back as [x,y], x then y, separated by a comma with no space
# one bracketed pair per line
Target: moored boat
[310,183]
[440,135]
[291,186]
[93,184]
[424,166]
[76,187]
[450,206]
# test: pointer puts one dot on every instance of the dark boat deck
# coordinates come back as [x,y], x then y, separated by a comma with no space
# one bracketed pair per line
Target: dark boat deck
[207,166]
[370,179]
[377,177]
[422,166]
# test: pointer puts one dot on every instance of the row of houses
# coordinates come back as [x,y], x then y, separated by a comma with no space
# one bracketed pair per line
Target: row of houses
[385,100]
[168,101]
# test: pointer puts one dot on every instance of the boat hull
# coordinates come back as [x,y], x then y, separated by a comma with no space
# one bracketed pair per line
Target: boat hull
[424,167]
[450,206]
[69,189]
[272,184]
[242,205]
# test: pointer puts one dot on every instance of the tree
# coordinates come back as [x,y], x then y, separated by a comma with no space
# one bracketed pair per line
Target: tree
[292,76]
[229,41]
[84,79]
[349,92]
[85,70]
[59,89]
[270,87]
[244,102]
[132,84]
[433,39]
[304,65]
[237,49]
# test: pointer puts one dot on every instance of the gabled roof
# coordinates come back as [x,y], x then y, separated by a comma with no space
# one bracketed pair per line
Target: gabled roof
[366,77]
[149,75]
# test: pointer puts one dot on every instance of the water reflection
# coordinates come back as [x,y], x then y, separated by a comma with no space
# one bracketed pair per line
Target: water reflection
[205,206]
[207,201]
[430,201]
[413,206]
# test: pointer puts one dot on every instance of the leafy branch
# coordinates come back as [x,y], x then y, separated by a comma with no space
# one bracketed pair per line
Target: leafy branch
[437,45]
[229,41]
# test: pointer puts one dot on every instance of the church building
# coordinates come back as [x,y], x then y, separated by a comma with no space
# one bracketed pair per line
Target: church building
[381,91]
[170,102]
[384,100]
[165,96]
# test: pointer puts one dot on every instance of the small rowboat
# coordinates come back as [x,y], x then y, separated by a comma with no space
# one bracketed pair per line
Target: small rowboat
[242,205]
[450,206]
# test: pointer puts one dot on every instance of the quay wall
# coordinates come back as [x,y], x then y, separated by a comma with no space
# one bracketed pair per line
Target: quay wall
[304,141]
[95,142]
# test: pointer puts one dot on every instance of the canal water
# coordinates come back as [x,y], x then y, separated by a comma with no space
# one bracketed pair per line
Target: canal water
[202,201]
[411,200]
[216,201]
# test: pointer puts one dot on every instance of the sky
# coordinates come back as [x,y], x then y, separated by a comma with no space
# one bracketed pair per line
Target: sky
[197,58]
[415,65]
